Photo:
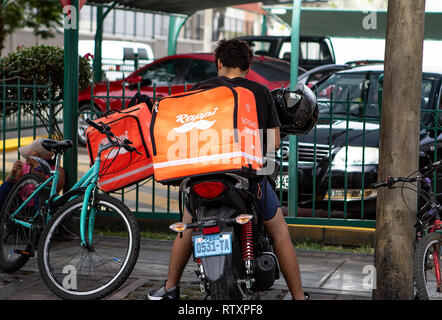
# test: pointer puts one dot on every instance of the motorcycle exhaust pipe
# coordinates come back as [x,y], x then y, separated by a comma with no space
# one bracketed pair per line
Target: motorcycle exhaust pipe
[265,272]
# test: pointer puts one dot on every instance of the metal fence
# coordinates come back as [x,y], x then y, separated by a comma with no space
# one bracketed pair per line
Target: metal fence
[336,162]
[28,110]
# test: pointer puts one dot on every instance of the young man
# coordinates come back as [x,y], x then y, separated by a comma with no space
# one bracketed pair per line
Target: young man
[233,59]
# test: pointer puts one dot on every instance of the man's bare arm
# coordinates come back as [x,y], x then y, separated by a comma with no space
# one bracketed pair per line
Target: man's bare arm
[273,139]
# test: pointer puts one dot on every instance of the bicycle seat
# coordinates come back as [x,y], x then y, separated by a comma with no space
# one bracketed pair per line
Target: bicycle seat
[56,146]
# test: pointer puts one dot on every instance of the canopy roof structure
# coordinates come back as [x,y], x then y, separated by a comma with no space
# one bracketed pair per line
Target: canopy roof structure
[185,7]
[351,23]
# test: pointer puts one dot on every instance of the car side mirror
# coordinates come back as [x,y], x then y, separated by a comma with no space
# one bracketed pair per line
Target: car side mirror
[134,80]
[146,82]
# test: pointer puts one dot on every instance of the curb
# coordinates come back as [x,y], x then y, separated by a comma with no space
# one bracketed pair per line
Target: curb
[13,144]
[347,236]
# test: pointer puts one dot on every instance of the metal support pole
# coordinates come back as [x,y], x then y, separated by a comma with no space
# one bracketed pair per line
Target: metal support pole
[98,66]
[264,25]
[293,140]
[175,26]
[70,95]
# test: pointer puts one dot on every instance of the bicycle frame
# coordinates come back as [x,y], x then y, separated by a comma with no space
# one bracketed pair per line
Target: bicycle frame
[88,180]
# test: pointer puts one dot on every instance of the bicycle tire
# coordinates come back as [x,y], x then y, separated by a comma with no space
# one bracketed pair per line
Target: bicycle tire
[423,263]
[11,261]
[105,254]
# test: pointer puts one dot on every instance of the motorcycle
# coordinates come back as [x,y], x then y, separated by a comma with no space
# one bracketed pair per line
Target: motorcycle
[230,246]
[233,253]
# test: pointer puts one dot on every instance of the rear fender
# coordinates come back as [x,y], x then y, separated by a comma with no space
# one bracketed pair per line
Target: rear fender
[215,266]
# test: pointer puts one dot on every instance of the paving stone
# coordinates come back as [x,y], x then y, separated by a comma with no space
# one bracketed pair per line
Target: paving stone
[325,275]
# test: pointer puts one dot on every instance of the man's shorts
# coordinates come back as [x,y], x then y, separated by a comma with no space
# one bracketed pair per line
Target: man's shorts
[266,200]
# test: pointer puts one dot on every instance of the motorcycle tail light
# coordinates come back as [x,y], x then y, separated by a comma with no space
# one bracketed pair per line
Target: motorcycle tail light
[209,190]
[178,227]
[243,218]
[211,230]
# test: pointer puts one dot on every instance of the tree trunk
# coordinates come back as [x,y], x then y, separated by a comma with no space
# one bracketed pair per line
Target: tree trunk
[399,148]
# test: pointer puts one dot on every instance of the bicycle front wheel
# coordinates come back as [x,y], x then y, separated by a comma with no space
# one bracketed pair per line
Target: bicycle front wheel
[76,271]
[427,267]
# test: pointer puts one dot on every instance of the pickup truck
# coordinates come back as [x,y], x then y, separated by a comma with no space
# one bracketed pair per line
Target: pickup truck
[313,51]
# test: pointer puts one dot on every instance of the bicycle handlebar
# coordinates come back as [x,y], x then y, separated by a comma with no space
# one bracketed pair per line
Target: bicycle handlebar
[390,181]
[93,124]
[105,129]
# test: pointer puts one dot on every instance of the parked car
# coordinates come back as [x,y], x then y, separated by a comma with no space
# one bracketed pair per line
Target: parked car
[313,51]
[311,77]
[170,75]
[118,57]
[359,63]
[323,153]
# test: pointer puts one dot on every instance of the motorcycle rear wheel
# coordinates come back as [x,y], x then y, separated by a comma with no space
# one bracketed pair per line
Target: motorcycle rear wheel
[226,288]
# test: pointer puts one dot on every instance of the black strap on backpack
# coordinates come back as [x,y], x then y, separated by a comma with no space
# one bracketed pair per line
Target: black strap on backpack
[140,98]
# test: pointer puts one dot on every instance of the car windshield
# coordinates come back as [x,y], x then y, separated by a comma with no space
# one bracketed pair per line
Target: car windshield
[272,70]
[347,93]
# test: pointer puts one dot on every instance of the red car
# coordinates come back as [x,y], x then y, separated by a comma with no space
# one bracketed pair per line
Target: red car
[172,74]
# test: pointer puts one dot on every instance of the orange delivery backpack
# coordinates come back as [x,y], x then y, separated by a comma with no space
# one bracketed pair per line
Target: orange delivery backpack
[120,168]
[211,130]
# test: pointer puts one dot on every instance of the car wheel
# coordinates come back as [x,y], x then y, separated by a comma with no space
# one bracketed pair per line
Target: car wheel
[84,113]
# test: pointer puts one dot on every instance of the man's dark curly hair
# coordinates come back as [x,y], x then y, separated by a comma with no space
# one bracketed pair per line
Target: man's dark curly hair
[234,54]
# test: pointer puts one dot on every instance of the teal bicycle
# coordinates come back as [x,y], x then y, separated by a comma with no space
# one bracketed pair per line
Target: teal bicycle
[87,242]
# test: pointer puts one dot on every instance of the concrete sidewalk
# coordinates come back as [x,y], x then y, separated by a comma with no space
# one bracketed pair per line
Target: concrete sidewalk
[325,276]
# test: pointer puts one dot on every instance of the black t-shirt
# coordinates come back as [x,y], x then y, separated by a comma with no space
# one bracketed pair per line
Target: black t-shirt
[266,109]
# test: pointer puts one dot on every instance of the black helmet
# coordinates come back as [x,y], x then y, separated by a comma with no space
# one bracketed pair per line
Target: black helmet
[297,110]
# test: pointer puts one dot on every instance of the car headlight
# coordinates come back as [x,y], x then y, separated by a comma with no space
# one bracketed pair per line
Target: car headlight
[355,157]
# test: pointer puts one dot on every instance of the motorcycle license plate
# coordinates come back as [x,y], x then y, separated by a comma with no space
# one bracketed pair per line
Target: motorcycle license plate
[212,245]
[282,181]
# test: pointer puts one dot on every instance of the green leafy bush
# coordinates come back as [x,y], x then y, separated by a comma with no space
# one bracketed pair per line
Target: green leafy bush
[35,75]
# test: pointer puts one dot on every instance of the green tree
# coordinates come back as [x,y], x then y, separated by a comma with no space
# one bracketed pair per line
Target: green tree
[42,16]
[31,67]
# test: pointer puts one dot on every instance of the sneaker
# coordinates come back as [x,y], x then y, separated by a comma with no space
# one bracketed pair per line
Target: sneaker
[306,295]
[162,293]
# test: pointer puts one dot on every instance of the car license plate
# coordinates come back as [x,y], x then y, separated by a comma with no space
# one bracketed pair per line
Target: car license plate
[284,181]
[212,245]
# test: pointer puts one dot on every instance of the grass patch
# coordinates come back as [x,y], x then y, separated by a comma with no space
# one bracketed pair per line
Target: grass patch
[308,245]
